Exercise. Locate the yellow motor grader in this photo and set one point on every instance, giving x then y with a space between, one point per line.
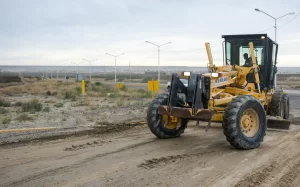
240 94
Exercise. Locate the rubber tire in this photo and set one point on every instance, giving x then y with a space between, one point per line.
276 105
152 119
286 104
231 122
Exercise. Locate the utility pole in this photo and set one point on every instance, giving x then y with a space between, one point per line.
158 56
57 74
115 63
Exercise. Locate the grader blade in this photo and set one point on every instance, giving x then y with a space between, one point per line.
278 123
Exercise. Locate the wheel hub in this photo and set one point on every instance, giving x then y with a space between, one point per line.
171 122
249 122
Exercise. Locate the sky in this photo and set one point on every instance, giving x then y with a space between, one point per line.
58 32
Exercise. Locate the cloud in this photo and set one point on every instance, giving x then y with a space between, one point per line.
57 32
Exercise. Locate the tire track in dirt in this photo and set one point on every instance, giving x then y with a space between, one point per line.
156 162
75 165
258 177
270 171
87 145
288 179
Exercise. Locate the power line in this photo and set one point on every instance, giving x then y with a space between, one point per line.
265 30
290 20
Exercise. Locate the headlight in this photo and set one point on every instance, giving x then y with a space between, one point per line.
187 74
214 74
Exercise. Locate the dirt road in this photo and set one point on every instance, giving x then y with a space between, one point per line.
134 157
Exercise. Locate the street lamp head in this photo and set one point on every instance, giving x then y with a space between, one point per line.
292 13
146 41
257 10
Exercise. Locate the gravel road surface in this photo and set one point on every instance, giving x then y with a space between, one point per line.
134 157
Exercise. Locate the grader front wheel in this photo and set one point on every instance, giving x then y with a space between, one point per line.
164 126
244 122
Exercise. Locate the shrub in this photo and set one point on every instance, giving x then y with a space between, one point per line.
95 88
46 109
70 95
18 103
6 120
3 110
78 90
32 106
24 117
4 103
124 88
98 83
58 105
48 93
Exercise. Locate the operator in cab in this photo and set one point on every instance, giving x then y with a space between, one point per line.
248 61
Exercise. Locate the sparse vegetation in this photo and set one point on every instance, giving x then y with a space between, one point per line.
18 103
24 117
102 99
5 120
78 90
32 106
98 83
48 93
3 110
70 95
124 88
144 94
46 109
58 105
4 103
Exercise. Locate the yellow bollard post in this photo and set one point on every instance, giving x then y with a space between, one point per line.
152 89
82 87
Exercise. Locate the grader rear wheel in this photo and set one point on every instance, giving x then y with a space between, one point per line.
277 105
164 126
286 104
244 122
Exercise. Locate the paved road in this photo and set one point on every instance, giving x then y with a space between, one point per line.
136 158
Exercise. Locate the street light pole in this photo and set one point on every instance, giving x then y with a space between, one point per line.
76 69
90 62
129 72
275 19
158 56
291 13
115 63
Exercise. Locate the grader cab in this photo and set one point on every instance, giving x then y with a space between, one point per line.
240 94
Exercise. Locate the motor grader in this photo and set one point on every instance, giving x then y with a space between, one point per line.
240 94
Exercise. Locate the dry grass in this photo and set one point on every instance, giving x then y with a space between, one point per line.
32 106
72 90
40 88
24 117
